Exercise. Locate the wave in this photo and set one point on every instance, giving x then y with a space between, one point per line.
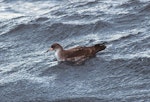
126 19
136 5
91 3
59 28
41 19
80 27
130 3
145 9
83 99
21 27
9 1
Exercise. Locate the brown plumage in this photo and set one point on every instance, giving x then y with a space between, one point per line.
79 53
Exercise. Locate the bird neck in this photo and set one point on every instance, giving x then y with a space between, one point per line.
58 54
58 50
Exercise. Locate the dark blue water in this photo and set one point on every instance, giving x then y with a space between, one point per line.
121 73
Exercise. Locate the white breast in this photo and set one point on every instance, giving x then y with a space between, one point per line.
57 55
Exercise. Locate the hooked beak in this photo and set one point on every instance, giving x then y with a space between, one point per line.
51 49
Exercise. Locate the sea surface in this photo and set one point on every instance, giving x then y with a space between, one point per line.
120 73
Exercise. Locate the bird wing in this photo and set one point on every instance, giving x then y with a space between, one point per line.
79 51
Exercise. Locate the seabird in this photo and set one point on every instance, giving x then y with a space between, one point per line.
77 54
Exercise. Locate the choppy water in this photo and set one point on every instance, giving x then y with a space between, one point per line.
121 73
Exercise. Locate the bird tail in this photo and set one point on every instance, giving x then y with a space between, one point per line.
99 47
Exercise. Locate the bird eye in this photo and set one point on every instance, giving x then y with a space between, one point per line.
52 46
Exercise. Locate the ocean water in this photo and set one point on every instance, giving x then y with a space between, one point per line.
120 73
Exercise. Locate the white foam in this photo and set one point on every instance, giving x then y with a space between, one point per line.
24 8
142 54
9 15
30 77
119 34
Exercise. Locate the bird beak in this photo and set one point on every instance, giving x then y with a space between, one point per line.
51 49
